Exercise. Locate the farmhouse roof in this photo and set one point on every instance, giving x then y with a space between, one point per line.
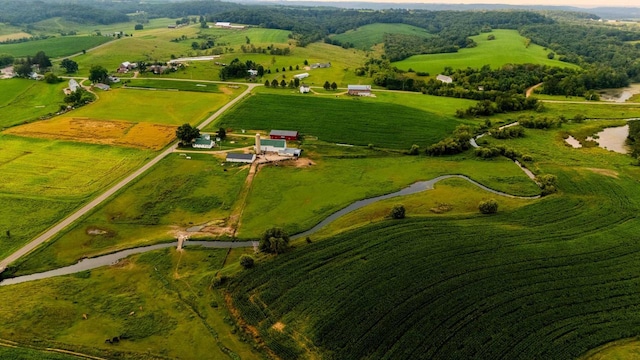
73 85
274 143
284 133
223 23
239 156
359 87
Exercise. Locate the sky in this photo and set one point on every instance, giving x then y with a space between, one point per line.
577 3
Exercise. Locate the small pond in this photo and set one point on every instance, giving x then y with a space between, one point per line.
613 139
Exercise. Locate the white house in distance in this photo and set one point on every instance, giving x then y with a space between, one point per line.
304 89
301 76
359 90
445 79
203 142
227 25
252 72
241 158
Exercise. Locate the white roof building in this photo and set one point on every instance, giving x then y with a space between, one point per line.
301 76
445 79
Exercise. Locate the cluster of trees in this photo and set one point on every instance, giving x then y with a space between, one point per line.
488 206
271 50
238 69
454 144
508 132
187 133
69 65
333 86
292 84
540 122
6 59
24 67
401 46
634 138
25 39
274 241
502 104
78 98
494 151
16 12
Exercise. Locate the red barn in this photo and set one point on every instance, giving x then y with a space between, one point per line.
283 135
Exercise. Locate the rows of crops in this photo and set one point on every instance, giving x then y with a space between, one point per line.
353 121
54 47
551 280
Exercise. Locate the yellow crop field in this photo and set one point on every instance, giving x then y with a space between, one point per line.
95 131
18 35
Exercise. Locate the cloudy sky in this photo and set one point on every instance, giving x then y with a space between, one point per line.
579 3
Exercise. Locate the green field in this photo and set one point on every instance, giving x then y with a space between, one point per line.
42 181
32 354
174 85
508 48
318 191
160 304
174 195
351 120
158 107
257 36
550 279
24 100
55 25
366 36
54 47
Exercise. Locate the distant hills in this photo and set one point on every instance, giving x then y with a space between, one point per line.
610 13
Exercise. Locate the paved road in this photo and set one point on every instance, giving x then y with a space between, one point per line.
53 231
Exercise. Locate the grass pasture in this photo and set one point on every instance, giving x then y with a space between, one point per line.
367 36
54 47
158 107
507 48
350 120
333 183
176 194
23 100
147 299
42 181
257 36
107 132
15 36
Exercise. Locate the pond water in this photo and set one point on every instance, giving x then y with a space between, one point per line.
613 139
620 95
573 142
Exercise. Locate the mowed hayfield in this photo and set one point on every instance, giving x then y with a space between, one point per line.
175 85
507 48
257 36
57 24
107 132
23 100
331 184
176 194
549 279
42 181
344 119
54 47
158 107
144 300
366 36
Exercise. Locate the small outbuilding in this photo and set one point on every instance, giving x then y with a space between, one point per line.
252 72
283 135
73 85
241 158
301 76
305 89
445 79
359 90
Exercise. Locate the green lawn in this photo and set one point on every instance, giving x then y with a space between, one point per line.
146 300
351 120
42 181
24 100
176 194
159 107
366 36
507 48
547 279
54 47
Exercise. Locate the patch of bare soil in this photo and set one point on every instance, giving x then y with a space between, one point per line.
605 172
278 326
248 329
91 230
225 90
441 208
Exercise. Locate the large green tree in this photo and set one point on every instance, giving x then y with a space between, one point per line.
186 133
69 65
274 240
98 74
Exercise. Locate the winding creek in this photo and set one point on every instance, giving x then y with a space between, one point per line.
114 258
